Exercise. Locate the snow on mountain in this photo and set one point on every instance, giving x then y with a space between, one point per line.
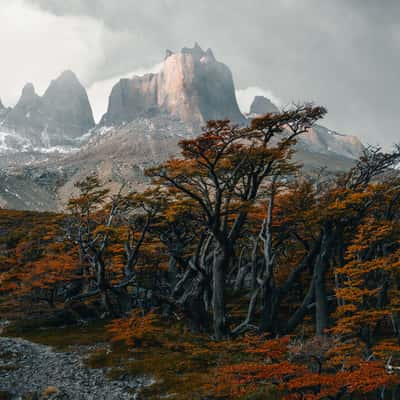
15 143
49 142
318 139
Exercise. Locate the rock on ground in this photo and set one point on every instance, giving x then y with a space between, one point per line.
27 367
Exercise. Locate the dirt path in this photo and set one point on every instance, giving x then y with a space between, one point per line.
26 367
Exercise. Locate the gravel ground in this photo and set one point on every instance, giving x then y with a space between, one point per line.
27 367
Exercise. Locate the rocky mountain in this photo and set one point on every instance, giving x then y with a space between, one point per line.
49 142
318 139
323 140
58 118
262 105
192 86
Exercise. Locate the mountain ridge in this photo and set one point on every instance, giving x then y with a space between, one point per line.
49 142
192 86
58 117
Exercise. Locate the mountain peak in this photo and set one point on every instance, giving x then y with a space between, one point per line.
28 88
66 101
192 86
68 75
28 91
262 105
60 116
28 97
196 51
66 81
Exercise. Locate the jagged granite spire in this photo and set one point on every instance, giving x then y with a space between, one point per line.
60 116
66 102
192 86
28 97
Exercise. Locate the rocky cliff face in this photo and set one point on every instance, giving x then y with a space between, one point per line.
66 105
192 86
60 116
25 119
147 117
131 99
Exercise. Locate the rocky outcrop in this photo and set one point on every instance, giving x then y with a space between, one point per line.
318 139
25 119
44 149
262 105
67 108
131 99
192 86
60 116
323 140
40 372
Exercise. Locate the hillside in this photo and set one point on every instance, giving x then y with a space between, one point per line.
50 142
233 276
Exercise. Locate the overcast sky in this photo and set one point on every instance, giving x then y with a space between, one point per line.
343 54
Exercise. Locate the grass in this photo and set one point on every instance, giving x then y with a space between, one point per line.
182 363
63 338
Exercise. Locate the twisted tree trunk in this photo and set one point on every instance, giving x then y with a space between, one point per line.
220 265
320 269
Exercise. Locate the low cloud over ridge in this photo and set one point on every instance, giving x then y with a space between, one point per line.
343 54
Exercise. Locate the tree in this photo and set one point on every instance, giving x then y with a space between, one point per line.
109 231
299 370
37 264
222 171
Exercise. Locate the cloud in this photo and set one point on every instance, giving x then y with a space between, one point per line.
341 54
37 46
99 91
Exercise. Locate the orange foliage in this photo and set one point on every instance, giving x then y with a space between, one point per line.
135 330
299 371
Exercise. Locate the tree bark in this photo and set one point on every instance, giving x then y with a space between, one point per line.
270 302
302 311
218 297
191 291
172 272
320 269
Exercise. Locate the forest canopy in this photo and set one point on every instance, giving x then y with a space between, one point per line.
299 274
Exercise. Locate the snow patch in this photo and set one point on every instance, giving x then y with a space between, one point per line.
11 143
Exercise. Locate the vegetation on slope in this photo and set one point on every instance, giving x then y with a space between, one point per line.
233 276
